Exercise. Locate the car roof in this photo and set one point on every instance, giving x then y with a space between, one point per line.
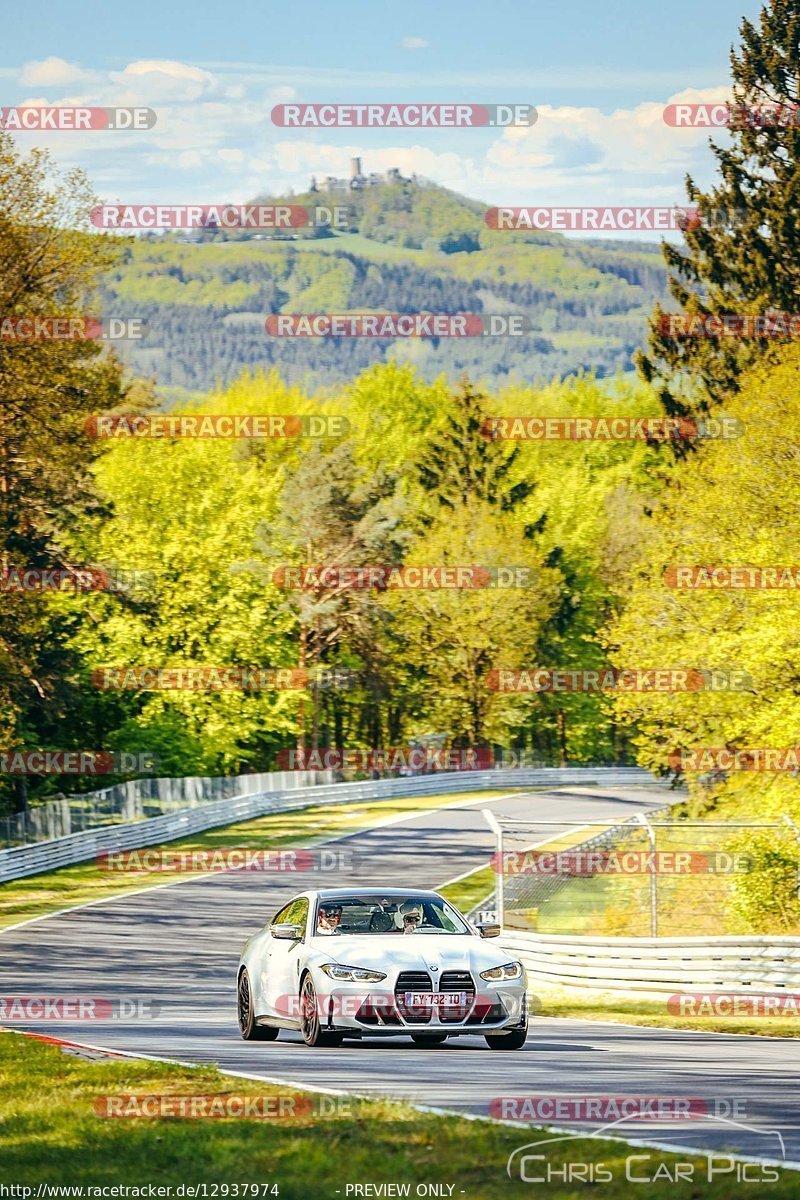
342 892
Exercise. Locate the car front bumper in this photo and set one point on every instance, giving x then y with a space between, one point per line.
380 1010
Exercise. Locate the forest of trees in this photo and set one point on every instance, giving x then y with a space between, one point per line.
596 525
203 303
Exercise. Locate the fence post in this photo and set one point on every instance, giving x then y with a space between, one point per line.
651 833
796 832
497 829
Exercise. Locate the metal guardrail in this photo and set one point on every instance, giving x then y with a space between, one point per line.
740 965
19 861
142 799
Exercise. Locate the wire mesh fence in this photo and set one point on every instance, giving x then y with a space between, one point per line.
649 876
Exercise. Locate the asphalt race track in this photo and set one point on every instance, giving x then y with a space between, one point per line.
176 948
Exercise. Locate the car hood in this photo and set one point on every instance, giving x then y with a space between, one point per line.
411 952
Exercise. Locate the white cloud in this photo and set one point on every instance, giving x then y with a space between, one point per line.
150 81
176 70
51 72
635 156
414 43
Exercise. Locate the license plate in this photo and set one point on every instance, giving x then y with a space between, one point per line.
435 999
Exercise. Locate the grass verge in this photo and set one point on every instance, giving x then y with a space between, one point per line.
471 890
605 1006
38 895
53 1135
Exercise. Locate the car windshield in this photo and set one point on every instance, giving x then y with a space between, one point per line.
388 914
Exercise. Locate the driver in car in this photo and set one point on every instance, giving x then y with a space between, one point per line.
330 916
411 915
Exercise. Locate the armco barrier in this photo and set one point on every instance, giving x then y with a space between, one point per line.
137 799
19 861
659 966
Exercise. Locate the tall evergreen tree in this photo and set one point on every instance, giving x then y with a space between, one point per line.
743 255
461 464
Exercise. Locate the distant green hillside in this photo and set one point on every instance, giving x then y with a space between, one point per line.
410 248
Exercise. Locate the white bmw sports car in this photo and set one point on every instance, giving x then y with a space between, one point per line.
359 962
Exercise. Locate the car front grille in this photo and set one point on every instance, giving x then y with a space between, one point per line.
457 981
412 981
420 981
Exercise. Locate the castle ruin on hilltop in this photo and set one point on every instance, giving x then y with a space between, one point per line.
358 180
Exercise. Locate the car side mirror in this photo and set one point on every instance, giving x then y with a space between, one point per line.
489 930
286 932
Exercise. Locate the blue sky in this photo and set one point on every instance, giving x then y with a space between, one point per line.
598 74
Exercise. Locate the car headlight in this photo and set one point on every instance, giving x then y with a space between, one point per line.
511 970
340 971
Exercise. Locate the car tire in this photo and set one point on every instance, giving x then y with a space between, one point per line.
514 1040
247 1019
429 1039
310 1026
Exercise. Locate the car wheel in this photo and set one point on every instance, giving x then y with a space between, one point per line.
247 1018
310 1025
507 1041
429 1039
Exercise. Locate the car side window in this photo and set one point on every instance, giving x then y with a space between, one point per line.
282 917
296 913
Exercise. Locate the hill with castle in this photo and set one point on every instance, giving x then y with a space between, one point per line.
410 246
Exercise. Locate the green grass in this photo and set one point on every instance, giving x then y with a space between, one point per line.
52 1135
38 895
471 890
591 1005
